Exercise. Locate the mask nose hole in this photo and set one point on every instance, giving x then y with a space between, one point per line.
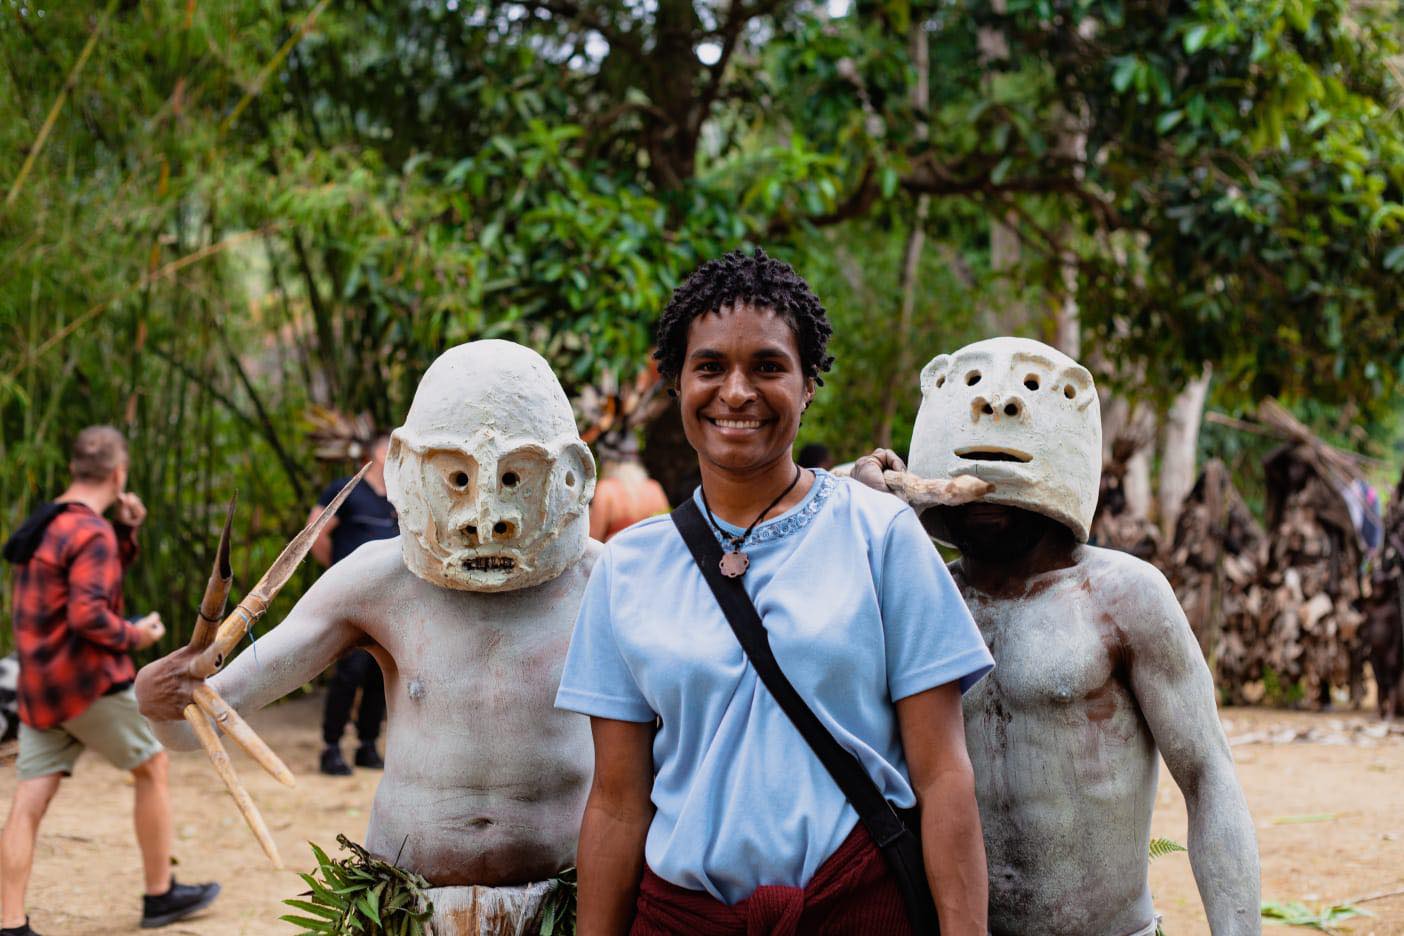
1012 408
980 406
471 532
503 530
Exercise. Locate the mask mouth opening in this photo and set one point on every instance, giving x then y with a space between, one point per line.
994 453
489 563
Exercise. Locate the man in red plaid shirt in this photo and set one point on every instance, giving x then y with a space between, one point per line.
75 685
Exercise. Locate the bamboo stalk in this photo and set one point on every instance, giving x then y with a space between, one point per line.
57 107
146 279
233 724
220 759
262 77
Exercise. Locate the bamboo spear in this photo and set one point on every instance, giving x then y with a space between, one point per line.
214 645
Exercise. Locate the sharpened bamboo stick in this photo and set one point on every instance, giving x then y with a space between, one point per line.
217 589
220 759
233 725
253 606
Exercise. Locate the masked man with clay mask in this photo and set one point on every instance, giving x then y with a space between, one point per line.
1096 669
468 613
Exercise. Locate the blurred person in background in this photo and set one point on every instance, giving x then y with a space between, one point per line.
365 516
815 455
624 494
75 681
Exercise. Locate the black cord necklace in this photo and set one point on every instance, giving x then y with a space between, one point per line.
734 563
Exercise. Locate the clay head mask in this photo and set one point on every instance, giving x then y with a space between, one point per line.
488 473
1019 414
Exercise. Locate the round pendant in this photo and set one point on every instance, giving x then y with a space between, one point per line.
734 564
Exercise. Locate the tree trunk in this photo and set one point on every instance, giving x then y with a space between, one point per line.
1179 445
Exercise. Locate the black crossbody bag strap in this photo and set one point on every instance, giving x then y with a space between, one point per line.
894 836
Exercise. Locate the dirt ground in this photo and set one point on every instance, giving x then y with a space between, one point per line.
1328 800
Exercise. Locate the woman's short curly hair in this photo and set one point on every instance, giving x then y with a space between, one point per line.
755 280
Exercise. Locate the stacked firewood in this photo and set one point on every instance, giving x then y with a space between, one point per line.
1216 565
1114 524
1314 576
1277 610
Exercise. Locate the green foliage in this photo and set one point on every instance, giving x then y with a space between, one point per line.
1160 847
1280 693
360 894
558 914
237 212
1295 913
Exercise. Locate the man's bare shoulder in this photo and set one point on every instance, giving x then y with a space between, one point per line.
373 568
578 572
1135 593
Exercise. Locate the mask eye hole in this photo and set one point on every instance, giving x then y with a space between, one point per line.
510 479
972 378
1031 382
570 479
459 479
940 382
1069 392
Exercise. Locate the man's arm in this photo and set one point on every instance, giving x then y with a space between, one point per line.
316 632
1175 691
612 831
933 739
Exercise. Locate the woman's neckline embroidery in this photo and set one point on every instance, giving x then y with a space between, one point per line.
793 520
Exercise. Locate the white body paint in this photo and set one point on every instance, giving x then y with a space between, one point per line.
1021 398
1097 674
485 780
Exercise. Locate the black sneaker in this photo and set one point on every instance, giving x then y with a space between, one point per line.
177 903
19 930
366 756
332 763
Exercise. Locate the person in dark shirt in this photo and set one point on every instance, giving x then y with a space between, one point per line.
366 515
75 679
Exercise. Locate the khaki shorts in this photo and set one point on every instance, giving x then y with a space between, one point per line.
111 726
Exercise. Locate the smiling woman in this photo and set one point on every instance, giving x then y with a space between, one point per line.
704 790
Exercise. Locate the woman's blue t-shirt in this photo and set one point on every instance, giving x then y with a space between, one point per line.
860 611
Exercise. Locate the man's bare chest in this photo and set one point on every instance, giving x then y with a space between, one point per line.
491 654
1057 656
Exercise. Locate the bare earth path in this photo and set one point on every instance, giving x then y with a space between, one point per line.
1329 812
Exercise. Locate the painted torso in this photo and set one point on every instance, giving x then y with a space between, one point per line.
485 779
1065 765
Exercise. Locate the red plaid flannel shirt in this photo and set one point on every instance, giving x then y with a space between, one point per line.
72 639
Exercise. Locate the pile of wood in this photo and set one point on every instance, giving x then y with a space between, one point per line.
1277 610
1384 611
1114 524
1216 564
1313 574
